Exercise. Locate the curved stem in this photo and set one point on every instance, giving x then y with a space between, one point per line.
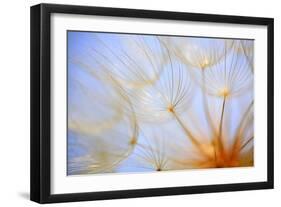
205 104
192 138
246 143
220 141
240 127
236 147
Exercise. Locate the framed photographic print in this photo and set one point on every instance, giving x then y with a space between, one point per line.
132 103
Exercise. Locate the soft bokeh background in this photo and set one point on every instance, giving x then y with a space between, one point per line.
149 70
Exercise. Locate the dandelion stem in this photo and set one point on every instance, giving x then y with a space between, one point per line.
205 103
192 138
246 143
186 130
236 147
220 125
240 127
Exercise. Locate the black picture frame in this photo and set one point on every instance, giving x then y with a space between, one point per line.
41 102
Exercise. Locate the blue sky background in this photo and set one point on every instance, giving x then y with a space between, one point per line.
80 45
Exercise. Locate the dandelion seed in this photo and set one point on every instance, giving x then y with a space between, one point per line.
246 48
231 76
171 109
133 141
108 135
151 153
224 92
172 92
199 53
134 61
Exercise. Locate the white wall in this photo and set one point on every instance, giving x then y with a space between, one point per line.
14 102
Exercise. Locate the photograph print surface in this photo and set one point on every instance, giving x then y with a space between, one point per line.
141 103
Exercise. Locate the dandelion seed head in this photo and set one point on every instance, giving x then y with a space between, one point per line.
205 63
199 53
224 92
171 92
133 141
170 108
